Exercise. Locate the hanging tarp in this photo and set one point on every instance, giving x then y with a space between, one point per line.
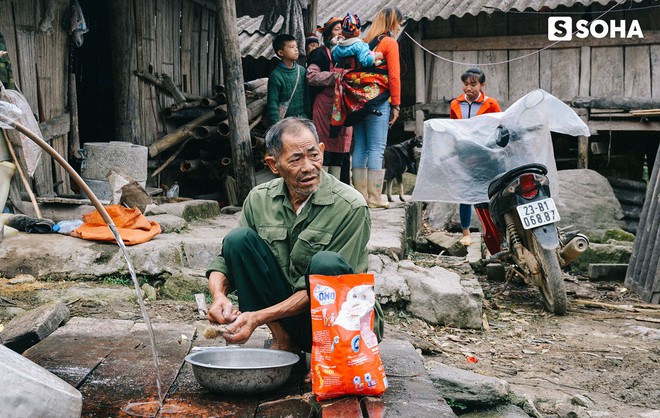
292 10
460 157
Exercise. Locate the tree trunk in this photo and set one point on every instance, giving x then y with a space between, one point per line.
236 108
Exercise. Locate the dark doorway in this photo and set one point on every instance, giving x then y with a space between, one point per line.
93 68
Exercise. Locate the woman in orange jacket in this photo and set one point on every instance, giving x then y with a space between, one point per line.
472 102
370 134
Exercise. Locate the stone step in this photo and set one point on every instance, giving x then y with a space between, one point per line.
411 392
56 256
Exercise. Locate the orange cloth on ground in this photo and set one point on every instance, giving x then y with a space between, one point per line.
132 225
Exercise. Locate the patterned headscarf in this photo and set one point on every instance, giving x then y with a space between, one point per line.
351 26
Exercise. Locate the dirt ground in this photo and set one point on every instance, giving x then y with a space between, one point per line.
610 355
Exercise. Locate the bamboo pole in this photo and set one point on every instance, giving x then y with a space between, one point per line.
169 85
150 78
221 111
256 83
179 135
172 157
190 165
26 184
205 132
186 105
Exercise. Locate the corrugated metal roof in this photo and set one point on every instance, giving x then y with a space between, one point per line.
256 44
430 9
253 42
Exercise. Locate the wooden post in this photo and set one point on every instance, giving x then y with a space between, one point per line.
74 144
241 145
127 103
420 82
583 152
585 90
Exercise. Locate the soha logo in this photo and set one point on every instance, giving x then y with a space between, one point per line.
561 29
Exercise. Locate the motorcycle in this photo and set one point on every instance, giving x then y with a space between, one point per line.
520 231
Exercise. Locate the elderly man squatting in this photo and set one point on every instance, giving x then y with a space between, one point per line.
305 222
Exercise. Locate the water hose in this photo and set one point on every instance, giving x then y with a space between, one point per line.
8 122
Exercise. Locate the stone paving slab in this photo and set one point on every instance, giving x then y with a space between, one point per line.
74 350
110 363
32 326
411 392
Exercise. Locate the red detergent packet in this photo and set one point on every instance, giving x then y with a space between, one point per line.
345 354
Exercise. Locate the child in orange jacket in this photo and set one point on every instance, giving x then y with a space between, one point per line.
471 103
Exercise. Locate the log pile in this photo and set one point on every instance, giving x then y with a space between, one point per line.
196 151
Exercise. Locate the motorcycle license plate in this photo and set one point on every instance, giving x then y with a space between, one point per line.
539 213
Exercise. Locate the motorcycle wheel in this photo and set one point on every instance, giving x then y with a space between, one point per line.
553 291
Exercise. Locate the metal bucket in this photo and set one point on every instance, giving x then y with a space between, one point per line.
241 370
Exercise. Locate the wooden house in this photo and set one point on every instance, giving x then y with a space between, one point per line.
611 78
101 91
91 93
509 42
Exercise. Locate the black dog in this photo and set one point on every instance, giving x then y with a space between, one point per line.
396 160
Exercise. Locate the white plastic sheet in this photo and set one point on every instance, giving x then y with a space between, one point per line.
29 390
460 157
14 106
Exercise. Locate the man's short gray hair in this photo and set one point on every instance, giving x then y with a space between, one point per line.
288 125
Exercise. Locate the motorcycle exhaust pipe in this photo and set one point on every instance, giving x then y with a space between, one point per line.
573 249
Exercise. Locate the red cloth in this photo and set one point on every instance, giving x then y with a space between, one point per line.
353 91
132 225
357 87
321 113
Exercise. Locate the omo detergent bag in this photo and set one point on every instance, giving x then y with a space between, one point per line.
345 354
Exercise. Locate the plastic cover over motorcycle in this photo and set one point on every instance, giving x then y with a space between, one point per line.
460 157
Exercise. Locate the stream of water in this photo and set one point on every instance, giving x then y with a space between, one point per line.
143 309
9 115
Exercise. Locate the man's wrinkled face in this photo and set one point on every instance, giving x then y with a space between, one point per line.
300 162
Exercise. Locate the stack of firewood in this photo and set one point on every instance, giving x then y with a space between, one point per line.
202 158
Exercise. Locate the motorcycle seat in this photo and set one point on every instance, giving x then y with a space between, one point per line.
501 181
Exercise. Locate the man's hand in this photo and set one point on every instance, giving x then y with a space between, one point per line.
241 329
222 311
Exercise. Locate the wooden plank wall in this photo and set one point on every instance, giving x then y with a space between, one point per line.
176 37
628 71
180 44
40 63
516 42
643 275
